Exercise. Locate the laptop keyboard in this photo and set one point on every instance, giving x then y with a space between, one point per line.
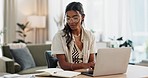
89 73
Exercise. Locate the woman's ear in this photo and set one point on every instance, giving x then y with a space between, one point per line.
83 16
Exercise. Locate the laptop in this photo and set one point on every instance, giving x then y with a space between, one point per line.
110 61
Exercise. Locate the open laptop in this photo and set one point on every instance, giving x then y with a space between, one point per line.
110 61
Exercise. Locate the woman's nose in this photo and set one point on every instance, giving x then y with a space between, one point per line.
71 20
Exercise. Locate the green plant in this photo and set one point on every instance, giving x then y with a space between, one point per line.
122 43
126 43
22 32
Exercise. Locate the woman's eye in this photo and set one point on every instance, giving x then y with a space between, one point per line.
68 18
75 18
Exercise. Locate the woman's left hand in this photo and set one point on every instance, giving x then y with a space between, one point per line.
91 65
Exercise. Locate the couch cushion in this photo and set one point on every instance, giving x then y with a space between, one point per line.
38 53
23 57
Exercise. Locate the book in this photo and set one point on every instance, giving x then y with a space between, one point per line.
58 72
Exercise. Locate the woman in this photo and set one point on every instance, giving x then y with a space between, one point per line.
74 45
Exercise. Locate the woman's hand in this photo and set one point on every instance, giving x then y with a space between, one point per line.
91 64
88 65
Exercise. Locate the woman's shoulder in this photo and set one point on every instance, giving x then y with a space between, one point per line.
88 32
59 33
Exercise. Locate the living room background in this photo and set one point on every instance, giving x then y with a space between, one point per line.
110 18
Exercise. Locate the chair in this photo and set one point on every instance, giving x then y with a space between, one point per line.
51 61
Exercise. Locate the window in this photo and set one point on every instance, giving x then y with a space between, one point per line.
139 24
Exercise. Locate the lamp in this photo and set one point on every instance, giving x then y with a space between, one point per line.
37 22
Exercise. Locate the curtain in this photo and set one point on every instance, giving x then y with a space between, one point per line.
41 10
9 21
116 19
108 18
1 23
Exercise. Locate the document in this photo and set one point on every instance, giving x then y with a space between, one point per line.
58 72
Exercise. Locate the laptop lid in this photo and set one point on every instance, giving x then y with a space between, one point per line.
111 61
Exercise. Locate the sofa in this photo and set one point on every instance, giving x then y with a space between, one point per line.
37 52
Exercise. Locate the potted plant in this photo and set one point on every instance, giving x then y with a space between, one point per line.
126 43
119 42
22 32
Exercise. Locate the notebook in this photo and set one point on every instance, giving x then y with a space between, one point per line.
110 61
57 72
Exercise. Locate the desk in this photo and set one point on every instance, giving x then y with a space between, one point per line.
133 71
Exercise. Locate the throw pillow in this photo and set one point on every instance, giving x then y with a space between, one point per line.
23 57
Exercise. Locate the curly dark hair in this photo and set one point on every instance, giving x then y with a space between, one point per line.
76 6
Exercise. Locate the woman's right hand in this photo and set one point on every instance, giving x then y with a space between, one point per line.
88 65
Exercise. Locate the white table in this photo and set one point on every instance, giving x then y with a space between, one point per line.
133 71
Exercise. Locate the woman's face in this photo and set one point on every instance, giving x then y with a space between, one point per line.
74 19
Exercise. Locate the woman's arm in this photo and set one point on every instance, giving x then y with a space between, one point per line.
69 66
92 60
